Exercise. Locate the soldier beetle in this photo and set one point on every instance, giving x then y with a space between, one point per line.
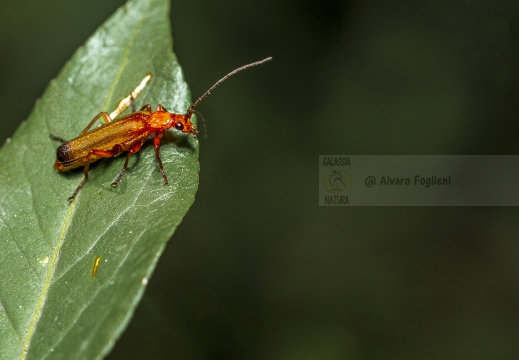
127 133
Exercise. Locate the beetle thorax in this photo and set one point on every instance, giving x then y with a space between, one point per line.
161 120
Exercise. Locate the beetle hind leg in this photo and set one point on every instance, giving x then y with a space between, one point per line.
133 150
100 154
73 196
57 138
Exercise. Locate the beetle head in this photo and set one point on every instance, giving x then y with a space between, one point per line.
162 119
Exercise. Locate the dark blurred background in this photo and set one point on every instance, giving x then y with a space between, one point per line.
258 270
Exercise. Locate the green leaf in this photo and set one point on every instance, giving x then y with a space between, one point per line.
50 304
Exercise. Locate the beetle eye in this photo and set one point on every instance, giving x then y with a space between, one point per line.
179 126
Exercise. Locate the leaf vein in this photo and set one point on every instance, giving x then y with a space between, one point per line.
97 291
46 284
10 318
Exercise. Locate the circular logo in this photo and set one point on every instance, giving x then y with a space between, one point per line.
336 181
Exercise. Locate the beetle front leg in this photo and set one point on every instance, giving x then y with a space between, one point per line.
146 108
156 144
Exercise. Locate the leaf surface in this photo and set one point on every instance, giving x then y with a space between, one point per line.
51 307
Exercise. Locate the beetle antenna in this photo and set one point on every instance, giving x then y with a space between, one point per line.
192 108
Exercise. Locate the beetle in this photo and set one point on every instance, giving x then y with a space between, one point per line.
127 133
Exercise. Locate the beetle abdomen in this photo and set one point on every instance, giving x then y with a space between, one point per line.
64 154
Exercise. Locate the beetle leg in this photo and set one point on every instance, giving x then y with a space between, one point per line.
132 102
133 150
156 144
124 103
99 153
80 184
200 122
103 114
57 138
